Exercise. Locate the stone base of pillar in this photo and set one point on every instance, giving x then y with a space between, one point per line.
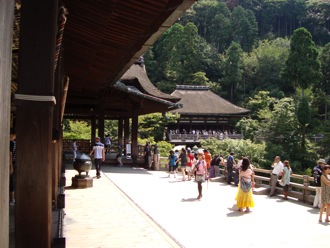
82 182
59 243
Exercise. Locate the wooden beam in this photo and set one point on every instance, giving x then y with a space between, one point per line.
6 34
33 227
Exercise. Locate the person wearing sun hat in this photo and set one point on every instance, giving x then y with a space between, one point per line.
201 172
317 173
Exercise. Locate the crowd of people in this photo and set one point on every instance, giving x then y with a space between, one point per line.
219 134
202 166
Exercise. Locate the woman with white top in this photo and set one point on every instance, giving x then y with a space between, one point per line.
201 172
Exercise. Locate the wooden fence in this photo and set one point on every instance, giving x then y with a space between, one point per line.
299 188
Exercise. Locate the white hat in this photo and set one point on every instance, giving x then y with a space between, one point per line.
321 161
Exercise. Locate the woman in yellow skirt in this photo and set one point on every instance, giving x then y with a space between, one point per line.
244 197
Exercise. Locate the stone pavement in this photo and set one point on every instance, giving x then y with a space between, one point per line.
132 207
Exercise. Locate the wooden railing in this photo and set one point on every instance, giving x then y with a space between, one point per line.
196 137
299 188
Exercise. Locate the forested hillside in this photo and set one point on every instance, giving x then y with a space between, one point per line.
272 56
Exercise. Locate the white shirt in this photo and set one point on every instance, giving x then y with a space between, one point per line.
75 148
278 168
98 150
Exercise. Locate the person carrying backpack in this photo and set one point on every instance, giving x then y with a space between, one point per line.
317 173
230 164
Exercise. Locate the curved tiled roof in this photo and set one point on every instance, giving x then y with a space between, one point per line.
136 76
200 100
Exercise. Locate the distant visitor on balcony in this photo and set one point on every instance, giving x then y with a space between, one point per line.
276 173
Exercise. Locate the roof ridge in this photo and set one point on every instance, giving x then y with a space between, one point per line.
192 87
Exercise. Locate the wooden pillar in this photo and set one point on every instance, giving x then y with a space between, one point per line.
120 131
57 161
126 131
93 132
6 30
135 124
101 122
33 227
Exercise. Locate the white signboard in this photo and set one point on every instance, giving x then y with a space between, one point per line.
128 151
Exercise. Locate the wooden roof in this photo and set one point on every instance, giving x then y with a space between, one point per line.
102 39
133 90
200 100
137 76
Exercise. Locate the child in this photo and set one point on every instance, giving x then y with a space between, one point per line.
285 181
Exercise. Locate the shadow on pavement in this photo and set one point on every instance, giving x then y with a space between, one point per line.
234 212
125 170
189 200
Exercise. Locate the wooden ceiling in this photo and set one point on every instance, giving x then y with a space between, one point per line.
103 38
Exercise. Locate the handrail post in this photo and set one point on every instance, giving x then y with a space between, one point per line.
306 184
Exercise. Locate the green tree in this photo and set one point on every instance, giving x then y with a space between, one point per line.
302 67
324 83
263 66
232 69
304 115
220 29
153 125
77 130
317 20
245 28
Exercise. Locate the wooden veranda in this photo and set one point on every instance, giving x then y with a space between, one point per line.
66 53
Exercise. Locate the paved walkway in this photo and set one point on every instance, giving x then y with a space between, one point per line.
131 207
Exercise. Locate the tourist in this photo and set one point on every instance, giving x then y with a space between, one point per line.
285 181
177 154
172 158
120 155
208 158
229 166
217 163
99 155
325 193
193 165
12 167
277 171
237 167
156 157
75 149
213 165
317 173
201 172
183 159
244 197
190 162
107 143
147 156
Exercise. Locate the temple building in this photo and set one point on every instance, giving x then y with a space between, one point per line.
203 114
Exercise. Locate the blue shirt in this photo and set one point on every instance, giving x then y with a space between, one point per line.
172 160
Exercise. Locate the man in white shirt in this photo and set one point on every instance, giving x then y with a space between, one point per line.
277 171
75 149
99 155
